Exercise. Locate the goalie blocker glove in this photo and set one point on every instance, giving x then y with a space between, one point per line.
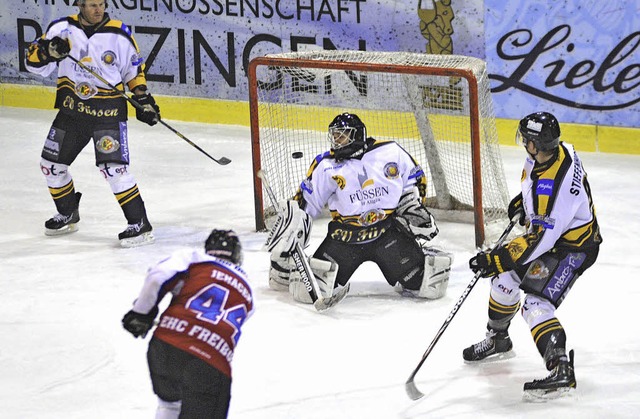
138 324
148 111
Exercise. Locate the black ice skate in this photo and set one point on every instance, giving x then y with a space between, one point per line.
497 346
61 224
559 383
137 234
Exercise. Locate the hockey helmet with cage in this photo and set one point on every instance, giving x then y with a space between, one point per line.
224 244
540 127
347 135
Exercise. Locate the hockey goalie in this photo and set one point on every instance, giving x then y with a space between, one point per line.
374 191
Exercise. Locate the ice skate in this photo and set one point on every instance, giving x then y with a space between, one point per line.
138 234
496 346
559 383
61 224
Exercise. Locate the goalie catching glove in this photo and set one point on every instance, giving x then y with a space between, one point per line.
292 226
138 324
490 264
413 215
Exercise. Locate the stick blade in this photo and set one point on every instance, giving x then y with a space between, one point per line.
323 304
412 390
223 161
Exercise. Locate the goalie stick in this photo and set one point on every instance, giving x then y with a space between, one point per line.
302 263
410 385
221 161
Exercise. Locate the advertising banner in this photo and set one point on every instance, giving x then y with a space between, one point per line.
202 47
577 59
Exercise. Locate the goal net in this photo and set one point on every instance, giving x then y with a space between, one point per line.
437 107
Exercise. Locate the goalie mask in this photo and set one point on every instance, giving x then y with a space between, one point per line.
347 135
224 244
542 128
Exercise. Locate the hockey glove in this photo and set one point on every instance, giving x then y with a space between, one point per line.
516 208
55 49
421 222
139 324
491 264
148 111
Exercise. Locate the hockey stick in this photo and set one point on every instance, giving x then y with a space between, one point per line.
302 263
222 160
410 385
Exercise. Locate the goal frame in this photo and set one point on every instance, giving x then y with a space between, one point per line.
474 120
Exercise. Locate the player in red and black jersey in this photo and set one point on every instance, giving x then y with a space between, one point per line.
192 348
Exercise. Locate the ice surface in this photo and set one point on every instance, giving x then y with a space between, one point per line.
64 354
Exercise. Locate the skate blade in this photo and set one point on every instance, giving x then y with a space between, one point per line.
541 396
502 356
141 240
68 229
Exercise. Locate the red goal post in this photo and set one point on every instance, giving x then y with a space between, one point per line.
437 107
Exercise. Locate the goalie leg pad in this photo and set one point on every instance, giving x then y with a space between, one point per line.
282 268
300 291
325 273
437 266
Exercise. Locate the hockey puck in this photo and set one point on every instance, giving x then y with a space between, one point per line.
297 155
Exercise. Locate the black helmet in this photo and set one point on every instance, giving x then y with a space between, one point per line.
542 128
224 244
350 126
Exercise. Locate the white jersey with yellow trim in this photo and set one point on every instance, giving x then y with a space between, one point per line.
559 207
109 50
361 191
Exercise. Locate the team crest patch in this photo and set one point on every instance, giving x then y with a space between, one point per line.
109 57
391 170
538 270
371 217
85 90
107 144
340 181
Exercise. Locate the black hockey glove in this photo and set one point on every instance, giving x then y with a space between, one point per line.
139 324
491 264
516 208
55 49
149 111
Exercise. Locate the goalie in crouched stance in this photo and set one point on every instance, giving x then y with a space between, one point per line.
375 192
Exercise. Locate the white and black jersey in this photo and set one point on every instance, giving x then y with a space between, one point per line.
559 207
109 50
361 191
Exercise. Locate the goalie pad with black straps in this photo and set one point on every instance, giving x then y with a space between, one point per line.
437 266
325 273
